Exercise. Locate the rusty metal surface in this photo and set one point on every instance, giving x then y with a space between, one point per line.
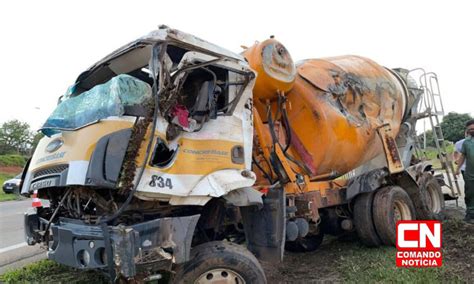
327 198
175 233
335 107
338 114
392 155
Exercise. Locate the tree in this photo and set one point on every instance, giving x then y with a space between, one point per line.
15 137
453 125
36 138
429 139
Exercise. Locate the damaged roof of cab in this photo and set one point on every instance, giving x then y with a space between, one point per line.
180 38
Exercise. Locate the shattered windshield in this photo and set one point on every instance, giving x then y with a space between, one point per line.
102 101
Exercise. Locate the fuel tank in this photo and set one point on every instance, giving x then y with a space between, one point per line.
335 106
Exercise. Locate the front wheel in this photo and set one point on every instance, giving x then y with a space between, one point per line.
220 262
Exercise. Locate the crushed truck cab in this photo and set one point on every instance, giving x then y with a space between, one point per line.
172 150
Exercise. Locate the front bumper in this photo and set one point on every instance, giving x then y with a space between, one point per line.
83 246
10 188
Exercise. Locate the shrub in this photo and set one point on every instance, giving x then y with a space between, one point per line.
12 160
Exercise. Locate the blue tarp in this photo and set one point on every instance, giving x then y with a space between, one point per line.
102 101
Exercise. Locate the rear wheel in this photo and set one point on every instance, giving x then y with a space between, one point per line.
305 244
220 262
432 197
391 204
363 220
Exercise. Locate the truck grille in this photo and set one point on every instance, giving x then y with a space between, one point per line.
51 171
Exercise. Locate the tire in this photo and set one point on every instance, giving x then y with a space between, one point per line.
391 204
306 244
363 220
432 197
218 260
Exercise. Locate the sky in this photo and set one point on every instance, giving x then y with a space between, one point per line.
45 45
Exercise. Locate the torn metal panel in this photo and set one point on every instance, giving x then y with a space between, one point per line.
221 182
138 49
182 200
366 182
246 196
193 42
336 106
79 245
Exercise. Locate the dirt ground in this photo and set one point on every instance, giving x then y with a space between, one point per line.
319 266
337 260
458 245
11 170
346 260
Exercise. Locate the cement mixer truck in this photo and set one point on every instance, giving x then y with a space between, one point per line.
173 154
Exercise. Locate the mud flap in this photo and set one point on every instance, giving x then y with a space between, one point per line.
265 228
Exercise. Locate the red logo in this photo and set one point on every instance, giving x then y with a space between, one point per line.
419 244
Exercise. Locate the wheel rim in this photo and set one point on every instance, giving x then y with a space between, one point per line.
220 276
434 201
401 211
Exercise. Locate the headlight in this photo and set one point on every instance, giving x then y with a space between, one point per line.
54 145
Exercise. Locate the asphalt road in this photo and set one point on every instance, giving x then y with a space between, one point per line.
11 222
14 252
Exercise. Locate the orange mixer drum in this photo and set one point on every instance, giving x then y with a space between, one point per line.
337 104
274 66
335 107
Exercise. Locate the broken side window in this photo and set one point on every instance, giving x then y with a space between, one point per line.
205 93
163 155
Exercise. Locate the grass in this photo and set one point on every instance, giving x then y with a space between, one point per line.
356 263
46 271
367 265
4 196
12 161
431 154
8 197
349 261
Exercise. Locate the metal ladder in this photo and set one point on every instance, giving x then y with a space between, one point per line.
431 107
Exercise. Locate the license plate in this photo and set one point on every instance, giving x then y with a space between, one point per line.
8 187
44 183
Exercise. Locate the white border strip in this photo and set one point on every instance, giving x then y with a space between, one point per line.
2 250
